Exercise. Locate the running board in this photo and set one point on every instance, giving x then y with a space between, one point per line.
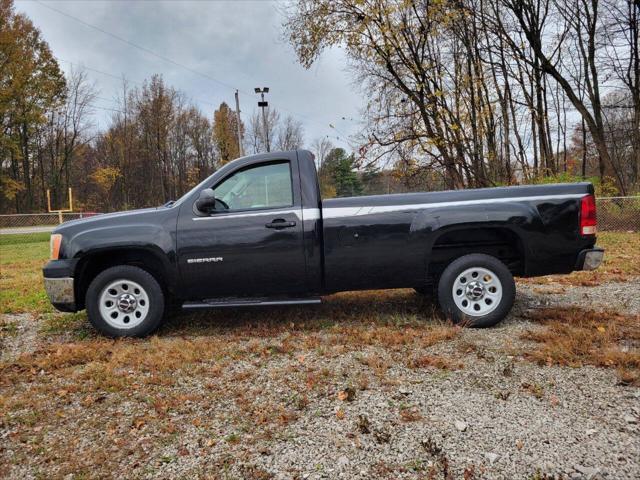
249 302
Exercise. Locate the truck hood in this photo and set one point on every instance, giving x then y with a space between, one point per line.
108 219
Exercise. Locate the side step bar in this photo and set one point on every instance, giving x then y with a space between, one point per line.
249 302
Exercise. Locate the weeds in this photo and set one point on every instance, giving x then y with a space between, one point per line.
575 337
433 361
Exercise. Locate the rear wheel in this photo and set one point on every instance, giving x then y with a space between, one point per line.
476 290
125 301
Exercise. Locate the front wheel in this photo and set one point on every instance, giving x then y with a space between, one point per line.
125 301
476 290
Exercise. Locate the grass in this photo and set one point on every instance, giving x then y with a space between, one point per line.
21 262
575 337
22 238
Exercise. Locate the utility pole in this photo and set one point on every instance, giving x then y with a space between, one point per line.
238 125
263 105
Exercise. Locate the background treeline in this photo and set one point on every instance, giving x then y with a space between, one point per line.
461 93
157 145
484 92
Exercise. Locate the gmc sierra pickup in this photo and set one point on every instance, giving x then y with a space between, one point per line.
256 232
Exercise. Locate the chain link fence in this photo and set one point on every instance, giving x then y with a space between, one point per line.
620 214
31 227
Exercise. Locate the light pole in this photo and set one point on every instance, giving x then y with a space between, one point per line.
262 104
238 125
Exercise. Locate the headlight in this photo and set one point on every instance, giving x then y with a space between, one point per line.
54 245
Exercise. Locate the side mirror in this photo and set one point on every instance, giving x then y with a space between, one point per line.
206 200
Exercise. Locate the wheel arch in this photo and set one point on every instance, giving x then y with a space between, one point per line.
499 241
94 262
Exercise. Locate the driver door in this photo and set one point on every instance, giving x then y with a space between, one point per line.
252 243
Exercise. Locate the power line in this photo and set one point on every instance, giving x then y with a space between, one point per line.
144 49
122 78
171 61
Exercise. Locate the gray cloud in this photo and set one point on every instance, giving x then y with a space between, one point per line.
237 42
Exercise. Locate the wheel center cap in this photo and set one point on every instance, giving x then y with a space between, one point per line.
474 290
127 303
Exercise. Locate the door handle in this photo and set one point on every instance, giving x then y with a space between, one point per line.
280 223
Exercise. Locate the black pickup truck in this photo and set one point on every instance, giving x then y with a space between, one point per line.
256 232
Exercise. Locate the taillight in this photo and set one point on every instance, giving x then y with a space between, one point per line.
588 215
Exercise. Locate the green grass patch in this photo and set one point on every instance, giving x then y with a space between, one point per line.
24 238
21 285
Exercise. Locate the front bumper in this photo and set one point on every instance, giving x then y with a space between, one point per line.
61 293
59 284
590 259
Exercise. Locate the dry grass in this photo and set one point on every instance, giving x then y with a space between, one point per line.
435 361
228 379
21 285
576 337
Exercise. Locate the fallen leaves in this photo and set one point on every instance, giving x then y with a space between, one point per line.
410 414
364 426
534 389
347 395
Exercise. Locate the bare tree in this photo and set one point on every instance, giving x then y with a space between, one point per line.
61 140
290 134
321 147
256 136
622 57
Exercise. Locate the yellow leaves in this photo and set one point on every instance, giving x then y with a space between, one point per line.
105 178
211 442
601 329
225 133
10 187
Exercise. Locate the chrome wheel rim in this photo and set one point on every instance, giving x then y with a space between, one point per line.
124 304
477 291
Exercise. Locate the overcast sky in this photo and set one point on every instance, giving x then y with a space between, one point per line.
238 43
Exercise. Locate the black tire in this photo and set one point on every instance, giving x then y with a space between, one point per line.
154 295
453 273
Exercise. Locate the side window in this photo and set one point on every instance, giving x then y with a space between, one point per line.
261 186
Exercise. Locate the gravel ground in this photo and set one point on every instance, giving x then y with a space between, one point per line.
21 335
498 417
580 425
